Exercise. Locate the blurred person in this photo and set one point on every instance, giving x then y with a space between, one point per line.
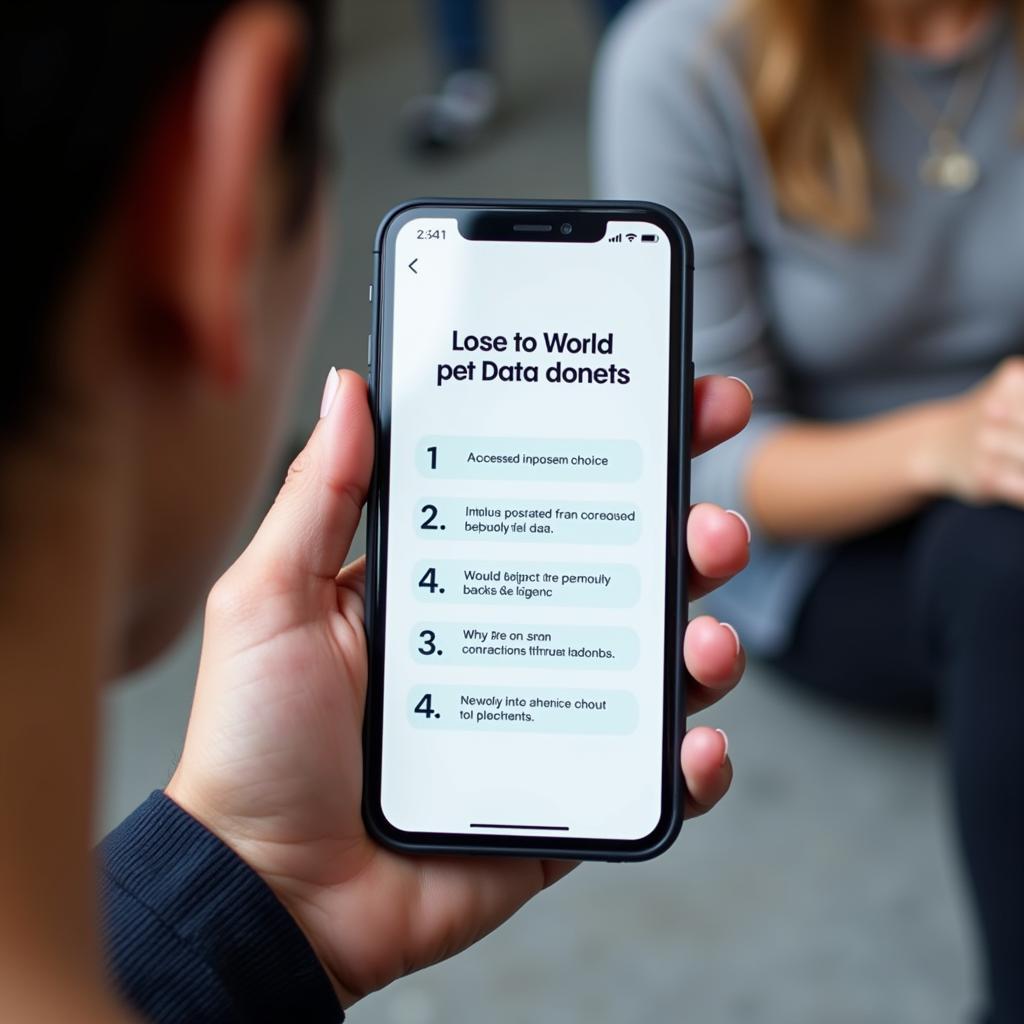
167 218
466 102
853 175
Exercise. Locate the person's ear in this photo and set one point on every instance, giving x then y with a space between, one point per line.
208 190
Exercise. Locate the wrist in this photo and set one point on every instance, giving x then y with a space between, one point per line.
927 452
248 849
183 904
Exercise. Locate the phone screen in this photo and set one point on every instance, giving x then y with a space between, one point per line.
530 447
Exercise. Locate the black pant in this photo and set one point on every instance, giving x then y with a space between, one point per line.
931 612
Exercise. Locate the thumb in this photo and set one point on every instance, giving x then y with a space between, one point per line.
308 531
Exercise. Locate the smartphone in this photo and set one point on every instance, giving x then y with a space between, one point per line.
531 383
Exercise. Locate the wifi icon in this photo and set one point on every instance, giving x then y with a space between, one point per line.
630 237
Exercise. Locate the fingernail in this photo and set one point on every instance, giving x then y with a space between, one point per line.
331 386
725 752
735 636
746 525
740 380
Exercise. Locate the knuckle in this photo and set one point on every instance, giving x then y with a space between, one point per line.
297 468
993 407
218 601
1011 485
1011 371
988 477
988 442
224 601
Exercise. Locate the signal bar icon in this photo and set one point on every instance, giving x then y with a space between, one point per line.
631 236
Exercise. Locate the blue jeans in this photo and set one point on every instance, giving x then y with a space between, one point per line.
462 30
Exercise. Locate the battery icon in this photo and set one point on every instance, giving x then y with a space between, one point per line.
648 238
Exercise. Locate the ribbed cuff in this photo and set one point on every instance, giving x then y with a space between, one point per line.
195 935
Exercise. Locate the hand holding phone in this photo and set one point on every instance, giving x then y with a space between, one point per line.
273 760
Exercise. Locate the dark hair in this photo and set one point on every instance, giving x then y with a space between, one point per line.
78 81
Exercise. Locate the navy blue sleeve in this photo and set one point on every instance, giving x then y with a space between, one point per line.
194 935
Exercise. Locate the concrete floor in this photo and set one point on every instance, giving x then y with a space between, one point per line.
825 890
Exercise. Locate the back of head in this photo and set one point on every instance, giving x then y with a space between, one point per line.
78 83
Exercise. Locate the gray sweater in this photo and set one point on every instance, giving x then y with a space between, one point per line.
822 329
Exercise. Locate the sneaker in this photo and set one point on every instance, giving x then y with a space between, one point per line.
457 115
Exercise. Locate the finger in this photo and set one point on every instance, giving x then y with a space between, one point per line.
1008 390
353 577
714 659
1005 413
308 531
706 769
721 409
718 543
1009 486
1005 442
556 870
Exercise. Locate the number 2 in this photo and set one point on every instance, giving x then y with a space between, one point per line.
431 513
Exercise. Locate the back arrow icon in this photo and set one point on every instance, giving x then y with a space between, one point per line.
412 266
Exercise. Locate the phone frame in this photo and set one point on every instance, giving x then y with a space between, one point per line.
494 219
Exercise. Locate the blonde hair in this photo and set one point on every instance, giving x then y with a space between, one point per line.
806 68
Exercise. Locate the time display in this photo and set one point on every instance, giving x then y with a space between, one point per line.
430 234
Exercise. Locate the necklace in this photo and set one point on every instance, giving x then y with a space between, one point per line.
949 165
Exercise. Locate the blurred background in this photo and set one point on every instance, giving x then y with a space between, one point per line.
824 889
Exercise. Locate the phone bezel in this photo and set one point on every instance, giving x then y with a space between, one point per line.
489 219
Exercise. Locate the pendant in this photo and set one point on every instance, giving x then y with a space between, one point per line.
949 166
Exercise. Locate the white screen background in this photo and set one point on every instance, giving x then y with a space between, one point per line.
436 778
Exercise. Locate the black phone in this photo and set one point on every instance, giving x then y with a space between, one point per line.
531 381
